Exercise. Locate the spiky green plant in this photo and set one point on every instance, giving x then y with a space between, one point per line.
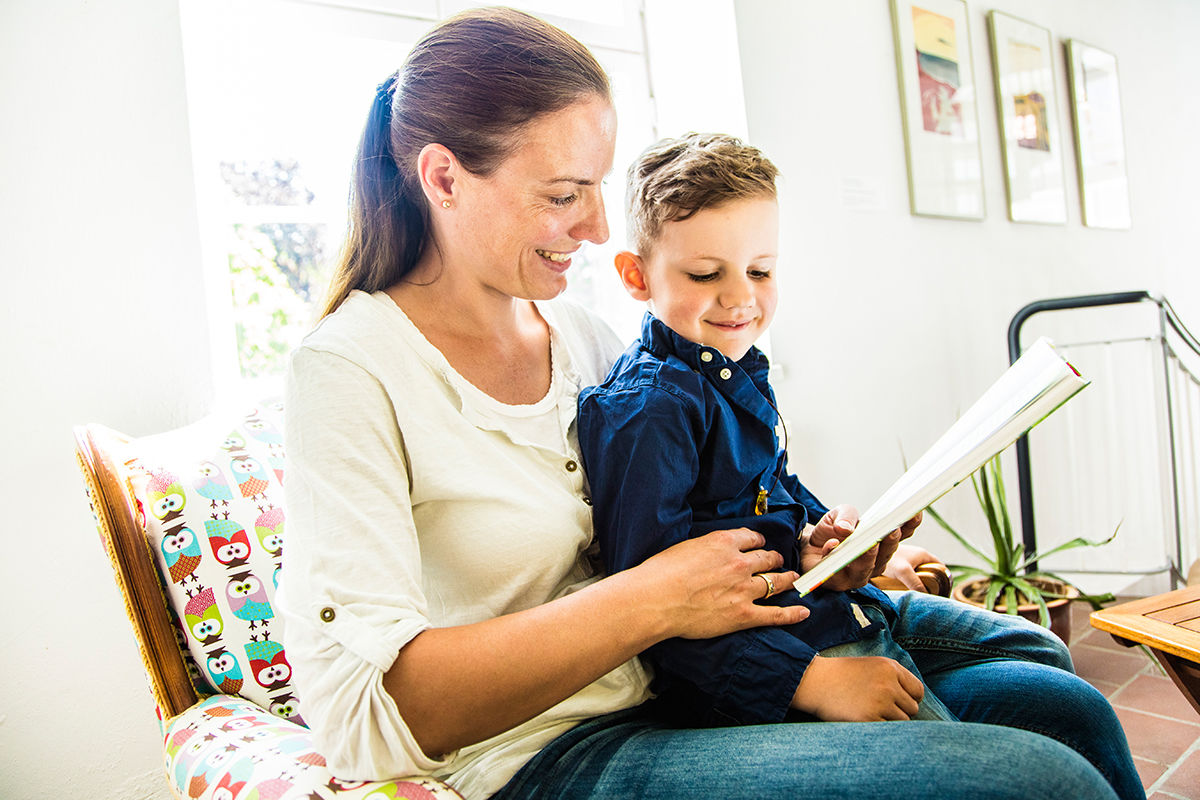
1008 581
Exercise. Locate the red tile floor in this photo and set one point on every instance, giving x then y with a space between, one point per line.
1162 728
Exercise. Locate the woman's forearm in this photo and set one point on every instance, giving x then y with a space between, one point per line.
460 685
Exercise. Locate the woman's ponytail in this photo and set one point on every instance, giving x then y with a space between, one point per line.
387 223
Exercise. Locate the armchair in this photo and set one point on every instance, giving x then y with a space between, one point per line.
193 524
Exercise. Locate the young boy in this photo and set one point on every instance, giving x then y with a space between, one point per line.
680 440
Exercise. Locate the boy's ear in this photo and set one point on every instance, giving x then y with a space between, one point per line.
633 275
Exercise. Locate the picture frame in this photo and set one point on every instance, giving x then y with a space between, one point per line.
1027 107
939 108
1099 136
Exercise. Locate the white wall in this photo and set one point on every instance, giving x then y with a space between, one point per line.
102 321
102 310
891 323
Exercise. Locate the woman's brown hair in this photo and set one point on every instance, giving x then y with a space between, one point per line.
471 84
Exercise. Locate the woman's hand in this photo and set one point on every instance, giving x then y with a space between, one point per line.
859 689
537 657
708 586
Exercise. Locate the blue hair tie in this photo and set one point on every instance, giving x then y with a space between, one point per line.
384 90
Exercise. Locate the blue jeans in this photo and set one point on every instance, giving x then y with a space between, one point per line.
1031 729
1005 670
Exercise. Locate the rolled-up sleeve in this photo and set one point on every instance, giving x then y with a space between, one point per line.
350 590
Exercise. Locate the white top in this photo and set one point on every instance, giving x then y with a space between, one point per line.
415 501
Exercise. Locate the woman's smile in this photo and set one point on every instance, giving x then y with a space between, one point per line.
562 260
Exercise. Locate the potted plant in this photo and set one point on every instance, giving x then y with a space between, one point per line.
1003 584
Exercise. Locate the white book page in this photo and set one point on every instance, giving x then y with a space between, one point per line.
1029 391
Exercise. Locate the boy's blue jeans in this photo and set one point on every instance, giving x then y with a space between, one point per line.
883 643
1048 734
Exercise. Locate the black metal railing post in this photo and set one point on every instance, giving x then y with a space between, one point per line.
1024 477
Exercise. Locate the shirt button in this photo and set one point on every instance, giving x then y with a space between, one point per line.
572 466
327 614
726 374
705 356
587 501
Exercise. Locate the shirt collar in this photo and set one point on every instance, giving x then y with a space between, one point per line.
473 403
662 342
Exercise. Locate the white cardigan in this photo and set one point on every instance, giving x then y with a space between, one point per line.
415 501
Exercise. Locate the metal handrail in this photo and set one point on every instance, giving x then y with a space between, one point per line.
1167 317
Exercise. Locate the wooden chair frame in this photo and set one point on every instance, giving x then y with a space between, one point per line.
134 568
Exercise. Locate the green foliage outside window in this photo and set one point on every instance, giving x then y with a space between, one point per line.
270 301
277 270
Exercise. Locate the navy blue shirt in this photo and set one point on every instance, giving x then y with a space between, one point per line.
677 442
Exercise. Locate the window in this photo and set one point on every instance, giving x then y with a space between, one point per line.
277 93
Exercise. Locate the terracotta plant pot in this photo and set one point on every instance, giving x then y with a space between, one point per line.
974 590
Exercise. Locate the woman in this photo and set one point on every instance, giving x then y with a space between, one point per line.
442 616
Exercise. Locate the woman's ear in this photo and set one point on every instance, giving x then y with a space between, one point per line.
633 275
437 168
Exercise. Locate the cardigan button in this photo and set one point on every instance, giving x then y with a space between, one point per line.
587 501
572 466
327 614
705 356
726 374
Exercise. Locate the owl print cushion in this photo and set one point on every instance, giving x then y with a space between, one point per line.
211 498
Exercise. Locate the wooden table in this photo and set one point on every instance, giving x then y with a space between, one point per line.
1169 624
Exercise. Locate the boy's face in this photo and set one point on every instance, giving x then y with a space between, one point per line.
711 277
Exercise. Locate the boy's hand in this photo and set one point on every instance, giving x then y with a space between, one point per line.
860 689
838 523
889 544
910 527
903 565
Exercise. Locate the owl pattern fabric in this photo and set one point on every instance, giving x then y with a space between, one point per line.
211 500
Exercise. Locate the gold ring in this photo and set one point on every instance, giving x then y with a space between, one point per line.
770 585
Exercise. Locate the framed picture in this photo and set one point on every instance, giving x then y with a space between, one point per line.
938 107
1026 103
1099 140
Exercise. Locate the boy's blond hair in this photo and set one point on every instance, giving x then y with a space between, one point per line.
676 178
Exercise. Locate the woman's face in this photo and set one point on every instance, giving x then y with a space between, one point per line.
520 225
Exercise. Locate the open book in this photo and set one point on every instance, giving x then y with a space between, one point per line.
1029 391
